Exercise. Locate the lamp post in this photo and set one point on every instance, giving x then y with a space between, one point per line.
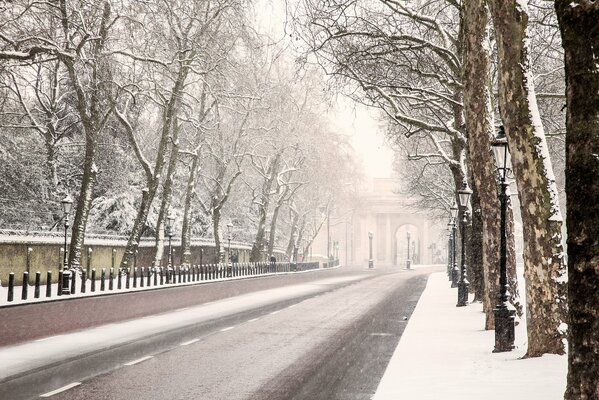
170 219
294 253
370 260
408 261
504 316
455 272
67 205
229 230
464 195
449 262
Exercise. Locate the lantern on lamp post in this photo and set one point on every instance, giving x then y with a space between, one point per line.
504 315
67 205
464 196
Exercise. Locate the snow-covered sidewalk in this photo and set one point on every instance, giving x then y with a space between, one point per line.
445 353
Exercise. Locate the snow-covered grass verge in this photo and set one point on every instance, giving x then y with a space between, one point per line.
445 353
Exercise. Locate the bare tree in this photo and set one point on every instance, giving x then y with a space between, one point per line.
543 252
580 38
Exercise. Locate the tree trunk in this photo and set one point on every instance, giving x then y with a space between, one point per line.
578 21
167 194
479 122
216 232
544 270
189 194
84 200
475 256
152 176
294 229
273 227
90 109
273 168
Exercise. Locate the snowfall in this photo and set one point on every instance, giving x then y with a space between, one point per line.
445 353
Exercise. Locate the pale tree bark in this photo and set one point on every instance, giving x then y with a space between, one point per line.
190 194
263 201
93 118
579 25
475 255
152 174
544 270
167 194
480 126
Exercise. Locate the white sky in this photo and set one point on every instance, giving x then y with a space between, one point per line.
367 137
354 120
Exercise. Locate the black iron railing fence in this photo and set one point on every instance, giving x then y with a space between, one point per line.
108 280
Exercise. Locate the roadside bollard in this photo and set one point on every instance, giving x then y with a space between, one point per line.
149 283
119 279
49 284
11 286
179 274
155 271
73 281
59 283
135 277
93 282
161 275
83 276
128 276
141 278
36 291
111 279
103 280
25 286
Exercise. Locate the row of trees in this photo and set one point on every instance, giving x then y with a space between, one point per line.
140 109
446 74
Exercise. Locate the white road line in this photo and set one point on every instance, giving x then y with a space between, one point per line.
293 305
62 389
46 338
138 360
275 312
253 319
189 342
227 329
182 309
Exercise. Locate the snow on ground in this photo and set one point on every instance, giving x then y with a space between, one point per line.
445 353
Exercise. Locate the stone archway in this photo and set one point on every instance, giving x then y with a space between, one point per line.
407 245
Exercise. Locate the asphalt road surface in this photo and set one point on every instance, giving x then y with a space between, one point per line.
331 342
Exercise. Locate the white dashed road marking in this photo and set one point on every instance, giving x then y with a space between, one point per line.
138 360
62 389
189 342
227 329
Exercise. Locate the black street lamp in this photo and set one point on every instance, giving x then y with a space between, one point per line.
464 195
408 261
294 254
229 230
67 205
370 260
170 219
449 262
455 272
504 316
